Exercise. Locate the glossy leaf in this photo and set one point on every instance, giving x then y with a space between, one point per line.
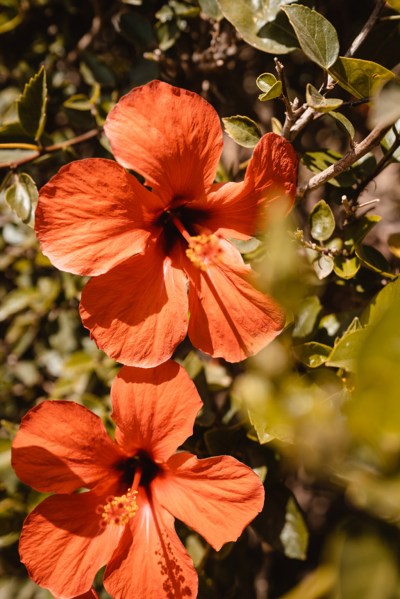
242 130
361 78
32 105
260 24
322 221
380 304
317 36
345 352
318 102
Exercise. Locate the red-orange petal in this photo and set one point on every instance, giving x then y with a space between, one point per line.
93 215
63 545
88 595
218 497
154 409
137 312
229 318
61 446
151 562
238 209
169 135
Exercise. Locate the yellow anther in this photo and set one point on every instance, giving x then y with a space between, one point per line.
119 510
204 250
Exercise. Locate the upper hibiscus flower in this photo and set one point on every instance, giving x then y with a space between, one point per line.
145 247
137 485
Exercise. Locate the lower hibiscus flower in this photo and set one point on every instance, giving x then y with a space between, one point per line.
136 484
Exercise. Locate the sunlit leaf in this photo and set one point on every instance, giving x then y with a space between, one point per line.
346 267
317 36
32 105
261 24
385 299
394 244
385 108
361 78
211 9
345 352
344 123
242 130
395 4
322 265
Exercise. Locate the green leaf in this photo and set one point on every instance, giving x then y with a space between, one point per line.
322 264
14 132
312 354
344 123
22 198
242 130
95 71
78 102
211 9
395 4
32 103
319 161
345 352
361 78
390 140
374 260
322 221
306 316
317 36
270 86
261 24
12 156
346 267
318 102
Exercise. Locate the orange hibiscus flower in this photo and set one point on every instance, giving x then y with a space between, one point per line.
144 247
137 486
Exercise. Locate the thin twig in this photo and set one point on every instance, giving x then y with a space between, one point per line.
48 149
348 160
290 117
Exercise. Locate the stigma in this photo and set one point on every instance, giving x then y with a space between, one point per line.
204 250
119 510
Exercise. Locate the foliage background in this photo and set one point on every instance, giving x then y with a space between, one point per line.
317 412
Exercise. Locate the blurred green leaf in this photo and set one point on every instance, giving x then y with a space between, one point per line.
395 4
32 105
322 264
260 24
357 229
318 102
270 86
317 36
78 102
242 130
294 534
211 9
345 352
394 244
385 107
361 78
322 221
306 317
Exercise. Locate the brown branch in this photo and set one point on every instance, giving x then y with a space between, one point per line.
50 149
348 160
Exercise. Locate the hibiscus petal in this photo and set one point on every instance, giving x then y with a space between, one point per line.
89 595
150 561
218 497
238 209
137 312
93 215
63 545
154 409
229 318
169 135
61 446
